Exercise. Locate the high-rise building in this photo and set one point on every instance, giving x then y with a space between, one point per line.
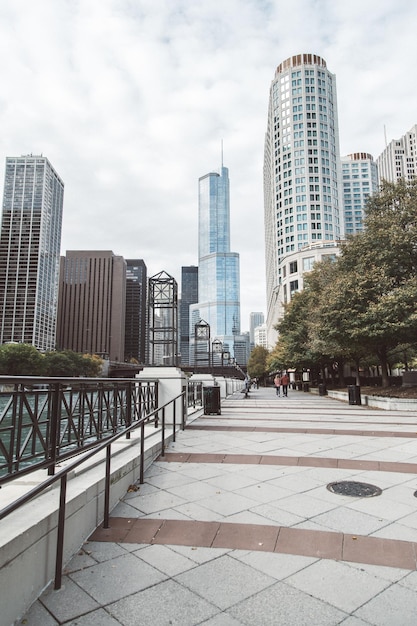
136 308
260 336
189 295
399 159
218 273
30 244
256 318
92 303
359 181
301 170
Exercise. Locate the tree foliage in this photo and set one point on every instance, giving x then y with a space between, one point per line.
364 303
257 364
20 359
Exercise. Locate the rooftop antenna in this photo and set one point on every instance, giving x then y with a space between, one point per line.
222 152
385 135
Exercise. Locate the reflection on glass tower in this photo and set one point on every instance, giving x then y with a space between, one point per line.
218 273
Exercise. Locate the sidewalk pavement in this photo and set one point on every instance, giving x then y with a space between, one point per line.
236 525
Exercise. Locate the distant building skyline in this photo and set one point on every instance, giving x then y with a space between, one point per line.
30 244
256 318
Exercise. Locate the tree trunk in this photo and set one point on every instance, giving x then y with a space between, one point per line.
382 356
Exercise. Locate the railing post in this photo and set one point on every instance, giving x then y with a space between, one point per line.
55 430
129 400
61 528
107 488
184 406
163 432
142 453
174 419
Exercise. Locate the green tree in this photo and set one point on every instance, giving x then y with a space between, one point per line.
257 364
20 359
378 270
69 363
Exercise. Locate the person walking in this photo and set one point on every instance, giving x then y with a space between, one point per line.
277 383
284 382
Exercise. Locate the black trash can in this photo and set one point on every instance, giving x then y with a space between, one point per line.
354 394
322 389
211 400
306 387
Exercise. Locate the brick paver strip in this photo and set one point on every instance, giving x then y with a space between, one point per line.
186 533
307 431
266 538
378 551
247 537
305 461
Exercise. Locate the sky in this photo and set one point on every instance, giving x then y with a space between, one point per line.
130 100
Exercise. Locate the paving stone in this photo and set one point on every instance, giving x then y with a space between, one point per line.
330 580
396 605
162 604
224 581
124 575
281 605
69 602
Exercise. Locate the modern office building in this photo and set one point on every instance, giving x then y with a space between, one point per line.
301 170
359 181
189 295
136 311
218 273
399 159
30 244
256 318
260 336
92 303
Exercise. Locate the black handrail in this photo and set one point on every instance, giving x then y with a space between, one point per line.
63 474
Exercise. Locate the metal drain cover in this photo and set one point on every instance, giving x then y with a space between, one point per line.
356 490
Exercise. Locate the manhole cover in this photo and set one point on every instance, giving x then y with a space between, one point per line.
356 490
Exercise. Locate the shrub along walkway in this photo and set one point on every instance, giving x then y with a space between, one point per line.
239 524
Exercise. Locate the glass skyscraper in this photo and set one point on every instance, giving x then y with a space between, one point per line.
218 270
30 243
301 171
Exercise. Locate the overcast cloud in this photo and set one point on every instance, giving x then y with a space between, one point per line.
130 100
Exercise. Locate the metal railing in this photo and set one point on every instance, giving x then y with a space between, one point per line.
195 394
46 420
157 415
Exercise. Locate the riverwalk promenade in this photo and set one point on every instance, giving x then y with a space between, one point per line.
280 511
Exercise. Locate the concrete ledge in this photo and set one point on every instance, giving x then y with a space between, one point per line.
28 536
376 402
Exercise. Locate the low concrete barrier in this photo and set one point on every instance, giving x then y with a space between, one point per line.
376 402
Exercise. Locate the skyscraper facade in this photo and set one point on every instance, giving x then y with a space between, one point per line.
30 244
359 180
218 273
92 303
301 169
399 159
136 308
189 295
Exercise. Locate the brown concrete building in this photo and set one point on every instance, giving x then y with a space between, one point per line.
92 303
